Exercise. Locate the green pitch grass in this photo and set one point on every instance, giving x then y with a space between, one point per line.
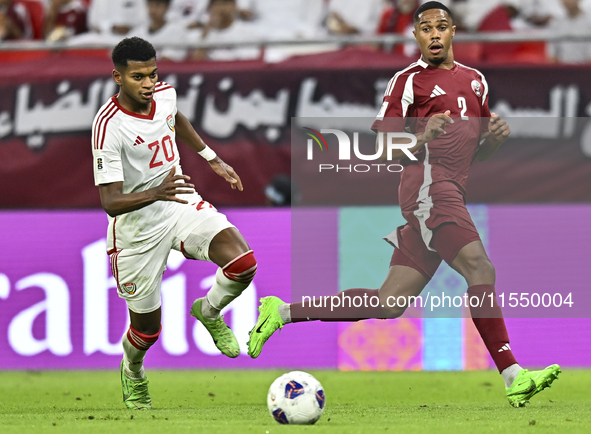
235 402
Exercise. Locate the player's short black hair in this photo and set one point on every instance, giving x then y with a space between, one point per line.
431 5
134 49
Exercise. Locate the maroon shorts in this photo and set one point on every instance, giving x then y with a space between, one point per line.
436 233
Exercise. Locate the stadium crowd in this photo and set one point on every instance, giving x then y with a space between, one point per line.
166 23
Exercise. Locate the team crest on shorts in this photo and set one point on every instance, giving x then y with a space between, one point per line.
476 87
170 122
129 288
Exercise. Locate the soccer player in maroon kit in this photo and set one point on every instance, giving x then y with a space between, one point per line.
445 105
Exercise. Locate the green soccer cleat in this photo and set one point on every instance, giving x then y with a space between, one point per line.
221 334
528 383
269 321
135 392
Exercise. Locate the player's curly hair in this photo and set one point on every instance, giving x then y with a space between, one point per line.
134 49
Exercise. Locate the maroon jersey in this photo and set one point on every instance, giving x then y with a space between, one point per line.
417 93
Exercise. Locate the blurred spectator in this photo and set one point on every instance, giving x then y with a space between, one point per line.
508 16
522 14
458 10
311 14
116 17
224 25
110 20
347 17
473 11
537 13
65 18
191 14
279 191
499 18
247 9
291 19
161 33
15 21
574 22
399 18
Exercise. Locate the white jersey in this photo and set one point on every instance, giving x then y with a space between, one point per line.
139 150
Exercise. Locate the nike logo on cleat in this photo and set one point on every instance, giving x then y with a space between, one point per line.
258 330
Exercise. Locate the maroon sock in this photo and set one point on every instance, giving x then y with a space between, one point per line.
350 305
490 324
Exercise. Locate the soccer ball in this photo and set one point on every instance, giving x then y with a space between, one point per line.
296 398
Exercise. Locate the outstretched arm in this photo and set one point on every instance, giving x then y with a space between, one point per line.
498 132
115 202
187 134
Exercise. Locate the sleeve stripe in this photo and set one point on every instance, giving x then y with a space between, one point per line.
100 124
163 88
485 94
408 96
105 127
392 82
99 120
388 90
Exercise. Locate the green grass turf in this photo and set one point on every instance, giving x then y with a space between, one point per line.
235 402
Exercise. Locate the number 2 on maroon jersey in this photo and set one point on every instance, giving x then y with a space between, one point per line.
462 104
169 156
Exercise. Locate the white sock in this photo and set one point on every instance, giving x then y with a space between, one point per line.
224 291
509 374
133 360
285 312
208 311
139 375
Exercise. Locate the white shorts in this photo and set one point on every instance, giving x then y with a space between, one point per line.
138 271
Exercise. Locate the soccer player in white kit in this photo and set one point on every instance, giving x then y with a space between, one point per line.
153 208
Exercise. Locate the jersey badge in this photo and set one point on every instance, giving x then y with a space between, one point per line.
100 165
129 288
138 141
170 122
477 87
